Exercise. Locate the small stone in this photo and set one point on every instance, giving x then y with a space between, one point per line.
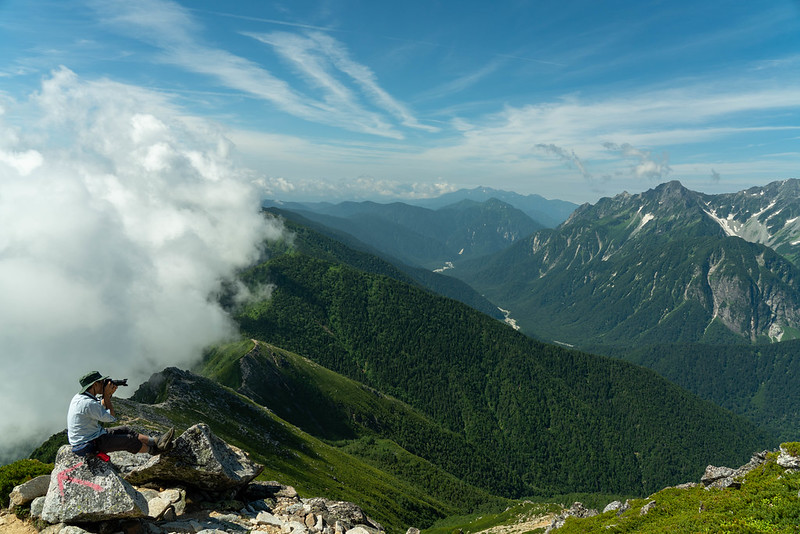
310 520
157 506
37 506
266 518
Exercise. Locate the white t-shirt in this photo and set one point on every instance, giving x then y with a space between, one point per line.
84 417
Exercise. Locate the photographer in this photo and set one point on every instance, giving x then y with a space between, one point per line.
85 414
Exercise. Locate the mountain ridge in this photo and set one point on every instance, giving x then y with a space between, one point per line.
644 258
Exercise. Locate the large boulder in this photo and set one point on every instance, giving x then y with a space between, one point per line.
85 489
199 458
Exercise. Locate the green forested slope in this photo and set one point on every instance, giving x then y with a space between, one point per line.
562 420
326 243
762 382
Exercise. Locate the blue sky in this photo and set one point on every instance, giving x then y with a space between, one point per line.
349 99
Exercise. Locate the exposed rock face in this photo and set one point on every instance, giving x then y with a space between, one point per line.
576 510
725 477
200 458
787 460
88 489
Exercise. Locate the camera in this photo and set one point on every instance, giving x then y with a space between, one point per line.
122 382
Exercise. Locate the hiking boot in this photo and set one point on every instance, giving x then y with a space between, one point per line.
164 442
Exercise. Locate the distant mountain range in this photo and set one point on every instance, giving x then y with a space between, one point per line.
548 213
668 265
424 237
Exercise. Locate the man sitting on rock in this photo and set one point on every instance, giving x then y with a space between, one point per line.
85 414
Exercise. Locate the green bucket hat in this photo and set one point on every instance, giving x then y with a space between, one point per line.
90 378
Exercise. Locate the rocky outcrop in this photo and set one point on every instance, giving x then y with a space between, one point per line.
203 484
576 510
199 458
725 477
788 459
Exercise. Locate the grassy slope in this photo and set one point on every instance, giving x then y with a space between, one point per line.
766 502
335 408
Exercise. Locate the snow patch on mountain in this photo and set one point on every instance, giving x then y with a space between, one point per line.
728 225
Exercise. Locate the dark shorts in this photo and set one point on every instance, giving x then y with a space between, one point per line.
120 438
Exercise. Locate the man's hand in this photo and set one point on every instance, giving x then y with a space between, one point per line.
108 389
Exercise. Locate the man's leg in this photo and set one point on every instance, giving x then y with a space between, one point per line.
123 438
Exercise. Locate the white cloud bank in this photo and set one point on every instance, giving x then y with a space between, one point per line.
120 218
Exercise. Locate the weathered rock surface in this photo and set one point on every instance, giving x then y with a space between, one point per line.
88 489
787 460
199 458
576 510
725 477
27 492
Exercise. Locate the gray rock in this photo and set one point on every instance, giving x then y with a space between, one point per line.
261 489
201 459
295 527
725 477
647 507
88 489
266 518
187 527
27 492
157 506
614 505
37 506
341 513
719 477
576 510
788 461
412 530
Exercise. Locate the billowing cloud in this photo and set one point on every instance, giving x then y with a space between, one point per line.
121 218
568 156
645 166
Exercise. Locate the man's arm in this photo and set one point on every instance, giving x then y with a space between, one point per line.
108 391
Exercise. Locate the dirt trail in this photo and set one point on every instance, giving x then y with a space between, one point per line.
11 524
532 523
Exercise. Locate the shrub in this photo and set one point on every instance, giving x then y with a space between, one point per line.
17 473
47 451
792 448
